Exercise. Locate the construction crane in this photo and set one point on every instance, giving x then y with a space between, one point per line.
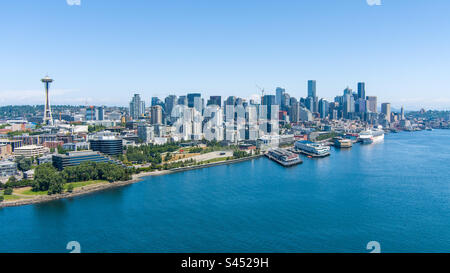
262 92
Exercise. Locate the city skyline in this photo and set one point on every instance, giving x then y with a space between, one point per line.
277 95
158 49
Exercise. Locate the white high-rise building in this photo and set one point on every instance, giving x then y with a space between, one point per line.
137 107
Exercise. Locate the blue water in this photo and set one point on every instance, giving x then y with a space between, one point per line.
396 192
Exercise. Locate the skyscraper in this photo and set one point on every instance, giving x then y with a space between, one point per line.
156 114
372 100
182 100
198 104
361 90
191 97
137 107
285 102
231 100
323 108
349 105
348 91
271 108
169 102
48 119
215 100
312 88
310 103
279 95
95 113
386 110
156 101
294 114
360 106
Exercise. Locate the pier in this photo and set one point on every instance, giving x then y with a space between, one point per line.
284 157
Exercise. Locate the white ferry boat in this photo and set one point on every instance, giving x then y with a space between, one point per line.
371 136
311 148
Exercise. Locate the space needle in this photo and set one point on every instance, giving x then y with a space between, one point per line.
48 119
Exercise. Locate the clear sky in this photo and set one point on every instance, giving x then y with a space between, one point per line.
103 51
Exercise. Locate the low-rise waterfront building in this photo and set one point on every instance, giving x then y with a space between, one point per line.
61 161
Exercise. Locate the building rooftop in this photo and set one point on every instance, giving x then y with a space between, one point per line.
27 147
78 153
7 163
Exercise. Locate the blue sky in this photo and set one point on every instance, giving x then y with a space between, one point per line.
103 51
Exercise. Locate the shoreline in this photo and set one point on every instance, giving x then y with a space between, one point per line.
100 187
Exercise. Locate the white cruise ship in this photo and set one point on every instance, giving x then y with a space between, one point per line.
371 136
311 148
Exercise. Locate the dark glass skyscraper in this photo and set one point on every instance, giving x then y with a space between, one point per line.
269 101
191 98
215 100
361 90
312 88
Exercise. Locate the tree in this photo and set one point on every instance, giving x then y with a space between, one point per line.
70 188
61 150
168 157
46 176
12 179
1 198
23 164
56 184
8 191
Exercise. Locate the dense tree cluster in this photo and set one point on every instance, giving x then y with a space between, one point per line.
47 178
95 128
95 171
14 183
8 191
24 164
326 136
240 154
148 153
195 150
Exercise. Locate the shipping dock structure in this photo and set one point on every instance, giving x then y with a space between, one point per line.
283 157
340 142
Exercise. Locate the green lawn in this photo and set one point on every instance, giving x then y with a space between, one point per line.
30 192
217 159
12 197
75 185
84 183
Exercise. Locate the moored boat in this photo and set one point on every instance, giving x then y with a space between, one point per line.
311 148
371 136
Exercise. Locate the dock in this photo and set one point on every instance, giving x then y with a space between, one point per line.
284 157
